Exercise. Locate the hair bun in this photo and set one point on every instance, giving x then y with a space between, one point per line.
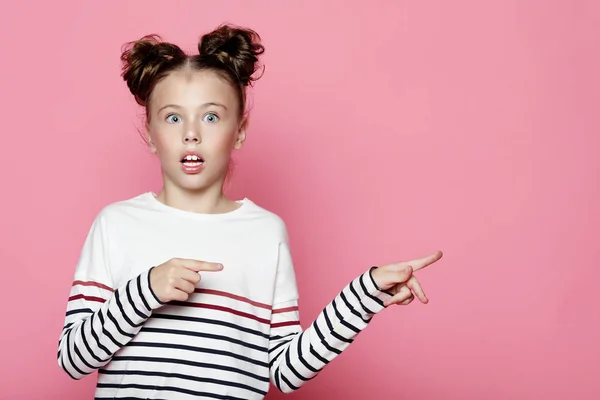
143 61
237 48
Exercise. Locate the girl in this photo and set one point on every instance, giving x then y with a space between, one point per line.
186 293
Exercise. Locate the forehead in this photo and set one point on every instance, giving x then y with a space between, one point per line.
191 89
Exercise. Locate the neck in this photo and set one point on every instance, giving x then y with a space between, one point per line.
207 201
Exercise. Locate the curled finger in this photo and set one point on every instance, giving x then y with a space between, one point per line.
185 286
407 301
190 276
403 294
180 295
416 288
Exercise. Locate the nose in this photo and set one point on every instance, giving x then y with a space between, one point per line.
191 135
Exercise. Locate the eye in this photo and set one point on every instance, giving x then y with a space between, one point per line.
173 118
210 118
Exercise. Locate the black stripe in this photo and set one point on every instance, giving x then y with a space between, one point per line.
291 367
274 359
277 381
83 360
355 293
205 335
85 342
123 313
127 398
318 356
278 345
152 291
278 337
199 350
192 364
301 358
288 382
116 323
375 283
212 322
364 288
330 326
352 310
79 311
327 346
185 377
80 372
62 364
132 304
165 388
107 333
343 322
139 286
95 335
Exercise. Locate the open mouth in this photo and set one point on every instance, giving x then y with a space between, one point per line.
192 161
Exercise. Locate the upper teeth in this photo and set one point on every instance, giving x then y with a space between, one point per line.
192 158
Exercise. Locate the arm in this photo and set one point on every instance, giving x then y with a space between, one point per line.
297 356
100 319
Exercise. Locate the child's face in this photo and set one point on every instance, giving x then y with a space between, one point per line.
194 112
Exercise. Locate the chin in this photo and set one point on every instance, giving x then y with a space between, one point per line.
193 186
196 182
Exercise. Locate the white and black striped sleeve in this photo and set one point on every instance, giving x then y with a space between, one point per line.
296 356
99 319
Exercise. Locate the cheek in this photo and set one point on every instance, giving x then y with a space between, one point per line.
162 146
225 145
221 142
165 135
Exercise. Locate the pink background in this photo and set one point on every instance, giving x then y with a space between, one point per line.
381 131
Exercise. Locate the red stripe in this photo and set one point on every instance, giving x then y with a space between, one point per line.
288 323
284 310
88 298
225 309
96 284
233 296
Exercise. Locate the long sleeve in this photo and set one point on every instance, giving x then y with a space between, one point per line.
100 319
296 356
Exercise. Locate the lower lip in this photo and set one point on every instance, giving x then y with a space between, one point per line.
192 169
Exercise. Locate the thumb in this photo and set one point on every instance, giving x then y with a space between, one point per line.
393 274
401 273
198 265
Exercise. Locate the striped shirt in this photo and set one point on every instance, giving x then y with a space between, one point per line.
237 334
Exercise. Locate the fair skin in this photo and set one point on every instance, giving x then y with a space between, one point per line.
399 279
197 111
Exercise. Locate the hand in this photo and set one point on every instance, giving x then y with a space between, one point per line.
177 278
398 279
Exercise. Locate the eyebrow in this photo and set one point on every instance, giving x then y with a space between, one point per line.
202 106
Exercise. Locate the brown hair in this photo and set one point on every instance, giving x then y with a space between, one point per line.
230 51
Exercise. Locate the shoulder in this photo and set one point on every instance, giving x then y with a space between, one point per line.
121 211
265 218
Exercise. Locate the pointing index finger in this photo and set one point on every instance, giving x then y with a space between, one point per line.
197 265
421 263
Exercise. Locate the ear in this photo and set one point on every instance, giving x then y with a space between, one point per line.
241 135
150 141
